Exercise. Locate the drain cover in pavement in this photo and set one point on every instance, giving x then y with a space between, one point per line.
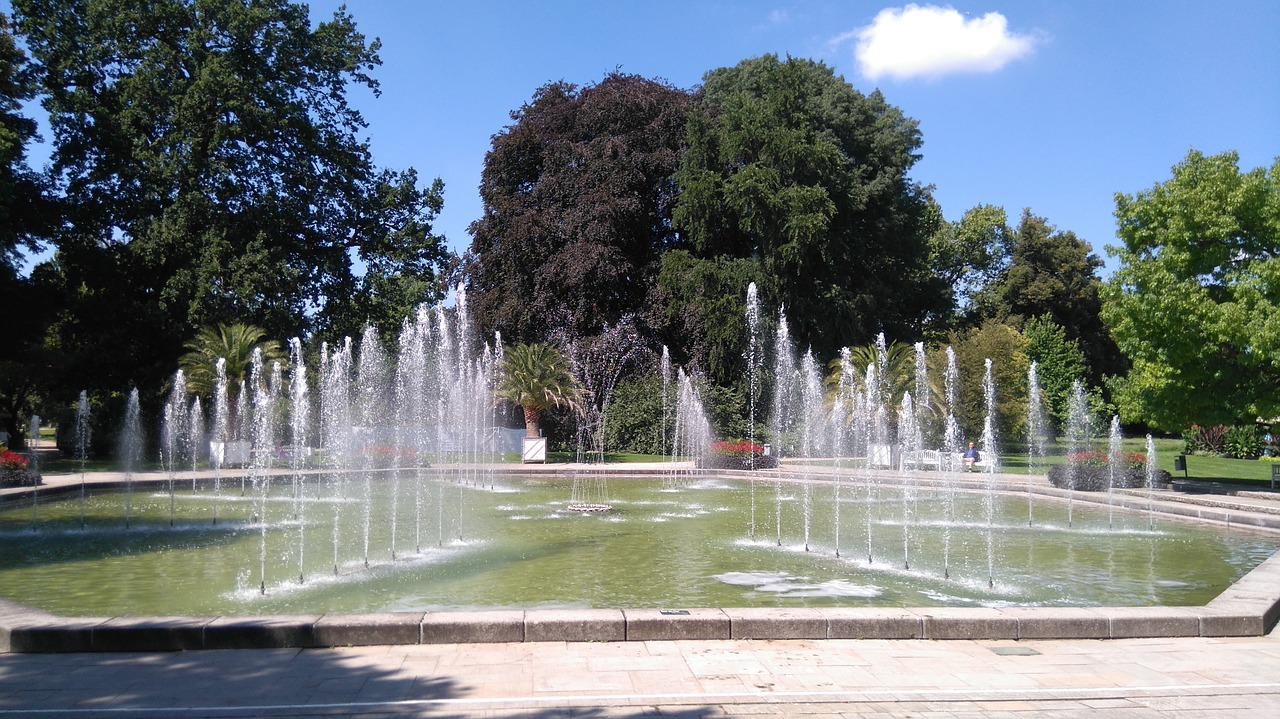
1015 651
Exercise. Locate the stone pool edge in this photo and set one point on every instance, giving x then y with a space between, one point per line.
1250 607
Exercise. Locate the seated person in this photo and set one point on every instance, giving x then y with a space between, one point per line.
971 457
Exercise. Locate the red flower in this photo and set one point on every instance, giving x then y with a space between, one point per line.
12 461
741 448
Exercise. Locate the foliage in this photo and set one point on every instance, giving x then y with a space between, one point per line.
704 318
27 215
968 256
213 171
790 167
739 454
1209 440
235 345
1099 477
12 461
1242 442
897 377
577 207
1059 363
636 420
1052 273
537 377
1006 347
739 448
1094 458
1194 302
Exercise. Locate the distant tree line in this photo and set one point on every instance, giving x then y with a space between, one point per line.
207 169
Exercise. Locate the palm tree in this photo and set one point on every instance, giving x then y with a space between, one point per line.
234 344
537 378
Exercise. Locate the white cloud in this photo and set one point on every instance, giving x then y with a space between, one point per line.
931 41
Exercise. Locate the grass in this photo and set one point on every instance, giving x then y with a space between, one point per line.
1203 468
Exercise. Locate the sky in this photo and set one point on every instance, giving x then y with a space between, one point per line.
1052 106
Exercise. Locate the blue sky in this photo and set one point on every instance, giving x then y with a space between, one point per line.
1069 104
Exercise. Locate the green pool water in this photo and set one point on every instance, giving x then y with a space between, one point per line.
507 542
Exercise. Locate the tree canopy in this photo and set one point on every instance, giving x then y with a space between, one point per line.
1195 303
213 171
789 166
577 198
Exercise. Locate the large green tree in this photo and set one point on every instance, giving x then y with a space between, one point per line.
1195 303
791 167
969 255
214 171
1054 273
577 198
26 216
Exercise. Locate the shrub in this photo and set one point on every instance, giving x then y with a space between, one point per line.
14 471
1204 440
1128 460
1095 478
12 462
1242 442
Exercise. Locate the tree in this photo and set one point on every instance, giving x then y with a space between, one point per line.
791 167
704 314
213 172
969 256
1053 273
537 377
1059 363
1195 303
577 198
1006 348
235 346
26 218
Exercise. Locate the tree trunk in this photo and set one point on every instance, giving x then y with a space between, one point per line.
531 415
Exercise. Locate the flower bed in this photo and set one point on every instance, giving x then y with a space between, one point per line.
737 455
1093 478
15 472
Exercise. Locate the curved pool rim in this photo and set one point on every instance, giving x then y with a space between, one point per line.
1249 607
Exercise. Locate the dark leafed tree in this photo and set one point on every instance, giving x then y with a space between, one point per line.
25 219
215 172
1053 274
577 198
789 166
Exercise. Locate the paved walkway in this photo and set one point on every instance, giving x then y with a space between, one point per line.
1193 677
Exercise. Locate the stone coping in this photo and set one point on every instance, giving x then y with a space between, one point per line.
1249 607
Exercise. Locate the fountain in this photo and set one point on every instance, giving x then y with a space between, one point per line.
335 539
